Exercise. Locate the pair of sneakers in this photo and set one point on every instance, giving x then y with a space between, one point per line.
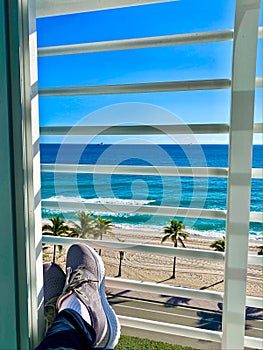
85 278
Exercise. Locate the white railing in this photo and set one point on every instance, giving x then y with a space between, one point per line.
158 288
172 86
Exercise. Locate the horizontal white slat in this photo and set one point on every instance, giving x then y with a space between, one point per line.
143 248
259 83
146 209
141 129
137 209
256 216
258 128
47 8
257 173
135 170
183 292
254 343
143 170
168 328
138 43
159 288
255 259
254 302
170 86
136 129
137 247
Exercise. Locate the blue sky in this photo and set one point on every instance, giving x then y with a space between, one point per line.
184 62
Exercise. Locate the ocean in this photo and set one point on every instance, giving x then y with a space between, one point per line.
195 192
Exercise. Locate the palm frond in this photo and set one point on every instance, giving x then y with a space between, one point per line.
175 232
164 238
218 245
181 241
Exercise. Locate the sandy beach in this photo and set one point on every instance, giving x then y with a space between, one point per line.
193 273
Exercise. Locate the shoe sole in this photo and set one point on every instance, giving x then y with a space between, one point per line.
112 320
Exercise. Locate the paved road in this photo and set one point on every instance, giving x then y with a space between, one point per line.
173 310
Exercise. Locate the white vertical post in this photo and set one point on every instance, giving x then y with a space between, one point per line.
240 158
21 291
32 168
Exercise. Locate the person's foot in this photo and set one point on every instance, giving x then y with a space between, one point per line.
54 281
85 277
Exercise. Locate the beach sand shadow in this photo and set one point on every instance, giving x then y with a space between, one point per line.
212 285
113 297
210 320
213 320
175 301
165 280
253 313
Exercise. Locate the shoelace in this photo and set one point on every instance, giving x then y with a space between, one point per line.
75 279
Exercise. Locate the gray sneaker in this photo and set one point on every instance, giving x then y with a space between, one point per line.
54 281
85 277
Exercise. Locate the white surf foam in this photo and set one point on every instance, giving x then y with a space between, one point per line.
101 200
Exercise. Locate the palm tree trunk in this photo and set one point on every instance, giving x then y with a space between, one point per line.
101 240
119 273
54 253
174 264
120 262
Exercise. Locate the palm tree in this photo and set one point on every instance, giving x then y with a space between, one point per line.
175 232
103 226
85 227
58 228
218 245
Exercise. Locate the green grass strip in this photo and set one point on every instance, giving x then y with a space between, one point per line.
134 343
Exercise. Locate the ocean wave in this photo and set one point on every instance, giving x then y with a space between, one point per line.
100 200
121 217
216 234
155 229
205 233
190 231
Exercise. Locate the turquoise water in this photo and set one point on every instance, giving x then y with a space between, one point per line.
193 192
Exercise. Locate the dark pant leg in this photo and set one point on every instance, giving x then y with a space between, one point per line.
69 331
